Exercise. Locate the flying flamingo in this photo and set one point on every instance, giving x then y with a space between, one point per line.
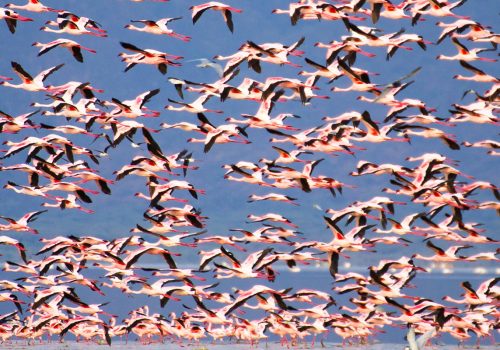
28 82
32 6
67 203
6 240
478 74
148 56
11 17
194 107
360 82
22 223
72 28
226 10
272 197
72 46
158 27
9 124
464 54
447 255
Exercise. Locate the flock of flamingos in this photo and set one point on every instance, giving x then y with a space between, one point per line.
55 155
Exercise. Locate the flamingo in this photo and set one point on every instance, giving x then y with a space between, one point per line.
272 83
223 134
72 46
6 240
226 10
375 7
359 82
158 27
464 54
134 256
404 227
397 43
376 134
72 87
459 26
258 236
489 144
443 255
79 20
330 12
27 190
272 197
69 129
247 90
92 320
158 190
392 11
22 223
285 157
262 118
70 27
271 217
236 59
350 46
134 108
194 107
368 168
299 10
49 143
28 82
9 124
249 268
187 215
67 203
148 56
476 112
79 191
478 74
275 53
100 181
331 71
255 177
437 9
428 132
11 17
475 297
32 6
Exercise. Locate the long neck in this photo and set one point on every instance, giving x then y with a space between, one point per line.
18 86
133 27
